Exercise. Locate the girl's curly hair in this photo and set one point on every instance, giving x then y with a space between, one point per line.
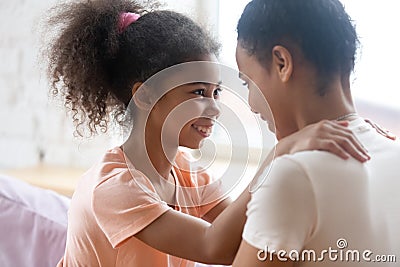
94 67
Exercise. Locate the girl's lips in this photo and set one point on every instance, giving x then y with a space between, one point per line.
203 130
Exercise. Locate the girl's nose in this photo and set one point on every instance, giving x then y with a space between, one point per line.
213 109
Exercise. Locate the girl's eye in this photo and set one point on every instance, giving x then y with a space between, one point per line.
200 92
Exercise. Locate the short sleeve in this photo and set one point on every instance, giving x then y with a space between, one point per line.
125 204
281 214
200 190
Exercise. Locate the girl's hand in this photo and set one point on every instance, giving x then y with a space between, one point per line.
331 136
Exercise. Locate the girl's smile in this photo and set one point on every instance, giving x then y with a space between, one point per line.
204 129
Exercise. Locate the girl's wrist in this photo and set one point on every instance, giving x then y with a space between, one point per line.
283 147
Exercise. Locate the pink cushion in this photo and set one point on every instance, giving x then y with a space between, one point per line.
33 224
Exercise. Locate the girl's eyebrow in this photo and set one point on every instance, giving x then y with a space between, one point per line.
203 83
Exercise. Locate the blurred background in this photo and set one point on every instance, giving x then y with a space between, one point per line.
37 143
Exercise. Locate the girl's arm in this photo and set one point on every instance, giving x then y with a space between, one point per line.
214 212
192 238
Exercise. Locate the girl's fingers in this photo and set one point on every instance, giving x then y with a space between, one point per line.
355 144
342 126
350 148
332 147
343 123
334 137
338 139
348 135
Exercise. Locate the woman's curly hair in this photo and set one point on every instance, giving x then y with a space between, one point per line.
94 67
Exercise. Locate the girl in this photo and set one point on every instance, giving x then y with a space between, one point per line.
119 214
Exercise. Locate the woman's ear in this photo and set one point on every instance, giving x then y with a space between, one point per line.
283 62
140 96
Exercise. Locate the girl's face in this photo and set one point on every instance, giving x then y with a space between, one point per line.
185 115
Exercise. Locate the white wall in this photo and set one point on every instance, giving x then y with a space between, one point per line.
30 126
205 12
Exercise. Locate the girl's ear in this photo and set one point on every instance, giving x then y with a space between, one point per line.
140 96
283 62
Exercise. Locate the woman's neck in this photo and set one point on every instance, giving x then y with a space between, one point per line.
335 103
309 107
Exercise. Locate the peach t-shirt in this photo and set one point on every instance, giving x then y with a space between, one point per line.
112 203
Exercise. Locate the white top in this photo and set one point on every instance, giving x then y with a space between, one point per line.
316 201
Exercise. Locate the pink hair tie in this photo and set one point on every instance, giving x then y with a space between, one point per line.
126 19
